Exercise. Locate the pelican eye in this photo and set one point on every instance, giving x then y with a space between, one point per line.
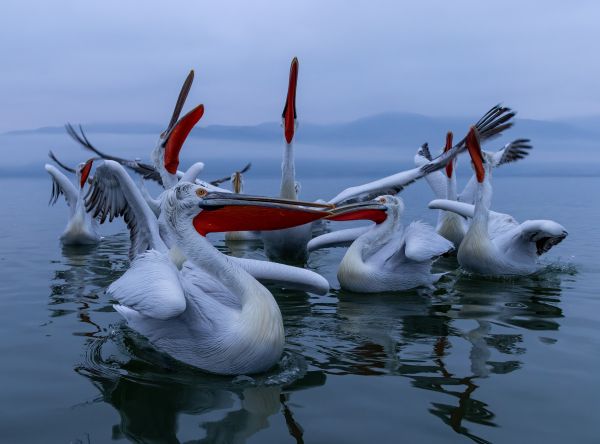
201 192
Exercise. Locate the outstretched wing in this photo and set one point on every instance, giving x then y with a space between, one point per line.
145 170
543 233
512 151
62 185
498 223
65 167
228 178
336 238
112 194
490 125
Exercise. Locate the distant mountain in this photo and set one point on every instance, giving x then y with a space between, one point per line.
388 129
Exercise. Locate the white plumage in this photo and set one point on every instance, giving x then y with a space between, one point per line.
81 229
495 243
390 257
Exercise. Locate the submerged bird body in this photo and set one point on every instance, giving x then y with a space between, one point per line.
390 257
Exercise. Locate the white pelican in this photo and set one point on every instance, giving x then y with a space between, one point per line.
212 315
496 244
389 256
290 244
81 228
451 225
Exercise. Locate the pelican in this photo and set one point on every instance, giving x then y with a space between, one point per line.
290 244
389 256
81 228
212 315
496 244
451 225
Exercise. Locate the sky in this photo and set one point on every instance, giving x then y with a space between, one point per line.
124 61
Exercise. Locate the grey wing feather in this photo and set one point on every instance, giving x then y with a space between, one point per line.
489 126
147 171
113 194
512 151
61 185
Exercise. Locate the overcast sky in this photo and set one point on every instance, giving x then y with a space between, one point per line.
111 61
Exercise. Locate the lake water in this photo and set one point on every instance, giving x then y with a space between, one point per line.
475 359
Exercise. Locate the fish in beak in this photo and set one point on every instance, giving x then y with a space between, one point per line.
179 129
371 210
474 148
289 110
239 212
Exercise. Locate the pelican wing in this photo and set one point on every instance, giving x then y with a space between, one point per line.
460 208
543 233
62 185
112 194
285 275
192 172
489 126
498 223
512 151
335 238
153 203
151 287
388 185
437 180
422 243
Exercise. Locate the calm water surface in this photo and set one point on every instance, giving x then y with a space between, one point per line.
481 360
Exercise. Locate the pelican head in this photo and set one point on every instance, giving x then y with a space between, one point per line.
166 153
82 171
481 161
289 110
212 212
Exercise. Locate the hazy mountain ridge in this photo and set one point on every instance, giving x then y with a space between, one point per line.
387 129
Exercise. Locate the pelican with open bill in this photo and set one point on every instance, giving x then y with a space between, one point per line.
190 300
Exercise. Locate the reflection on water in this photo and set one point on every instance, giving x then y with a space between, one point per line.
418 336
450 341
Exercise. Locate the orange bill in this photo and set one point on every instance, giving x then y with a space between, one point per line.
85 172
289 110
177 137
249 217
474 148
